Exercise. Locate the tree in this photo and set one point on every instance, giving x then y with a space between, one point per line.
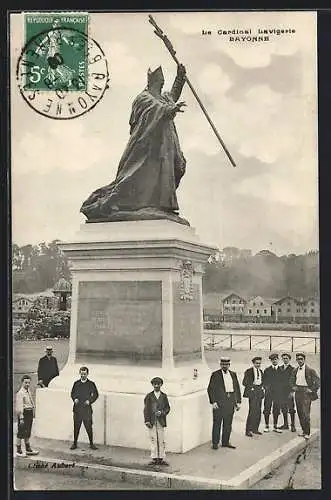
38 267
263 274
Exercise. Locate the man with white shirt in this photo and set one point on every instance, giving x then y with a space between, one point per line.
156 409
272 386
304 383
25 409
224 396
255 393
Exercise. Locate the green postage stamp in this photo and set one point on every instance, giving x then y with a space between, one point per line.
62 72
61 48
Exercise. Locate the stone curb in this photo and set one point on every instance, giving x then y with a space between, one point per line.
168 481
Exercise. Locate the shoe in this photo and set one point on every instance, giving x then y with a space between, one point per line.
154 461
293 429
31 452
93 447
20 453
163 462
266 429
215 446
276 429
73 446
249 434
284 427
258 433
306 436
301 434
228 446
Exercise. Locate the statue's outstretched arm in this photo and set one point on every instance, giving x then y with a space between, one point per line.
178 84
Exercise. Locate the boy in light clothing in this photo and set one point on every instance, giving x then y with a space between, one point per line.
156 408
25 412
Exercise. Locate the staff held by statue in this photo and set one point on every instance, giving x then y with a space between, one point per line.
169 46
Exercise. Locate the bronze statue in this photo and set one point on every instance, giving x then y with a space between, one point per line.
152 164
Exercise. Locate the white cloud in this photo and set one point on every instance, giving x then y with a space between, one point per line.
213 80
125 69
64 144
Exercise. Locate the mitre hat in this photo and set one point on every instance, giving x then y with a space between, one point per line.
155 76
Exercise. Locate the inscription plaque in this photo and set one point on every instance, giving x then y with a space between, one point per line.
120 320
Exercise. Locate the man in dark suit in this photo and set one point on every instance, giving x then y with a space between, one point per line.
224 395
156 409
47 368
272 397
305 383
84 393
255 393
287 400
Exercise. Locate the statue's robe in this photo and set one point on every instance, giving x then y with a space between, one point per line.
151 166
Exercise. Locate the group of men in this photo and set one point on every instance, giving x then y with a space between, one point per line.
282 387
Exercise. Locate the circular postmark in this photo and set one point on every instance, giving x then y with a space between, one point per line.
62 73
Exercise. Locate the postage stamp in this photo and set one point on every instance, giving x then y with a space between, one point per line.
62 73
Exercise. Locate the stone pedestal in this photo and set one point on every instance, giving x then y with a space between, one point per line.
136 313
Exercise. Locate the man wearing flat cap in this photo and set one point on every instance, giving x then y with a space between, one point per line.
224 396
304 383
156 409
271 381
47 368
255 393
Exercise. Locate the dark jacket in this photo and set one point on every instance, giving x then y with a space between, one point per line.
271 380
248 382
47 369
216 390
84 391
312 379
152 404
285 377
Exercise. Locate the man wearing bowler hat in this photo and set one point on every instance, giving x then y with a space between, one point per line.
255 393
156 409
224 396
272 385
47 368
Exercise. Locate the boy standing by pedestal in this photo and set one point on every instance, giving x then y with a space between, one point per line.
156 408
25 413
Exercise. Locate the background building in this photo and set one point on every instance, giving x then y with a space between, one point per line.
258 309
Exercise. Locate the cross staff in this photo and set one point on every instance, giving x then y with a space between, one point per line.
172 51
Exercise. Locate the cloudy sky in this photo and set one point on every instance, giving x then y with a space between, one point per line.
262 98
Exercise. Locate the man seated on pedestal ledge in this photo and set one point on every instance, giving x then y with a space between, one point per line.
156 408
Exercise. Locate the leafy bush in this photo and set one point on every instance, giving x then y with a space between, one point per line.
41 323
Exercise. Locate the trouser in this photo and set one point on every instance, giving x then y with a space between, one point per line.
287 407
157 440
254 412
271 400
303 403
24 428
223 415
87 421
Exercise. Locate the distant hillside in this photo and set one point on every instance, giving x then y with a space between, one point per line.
37 268
263 274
